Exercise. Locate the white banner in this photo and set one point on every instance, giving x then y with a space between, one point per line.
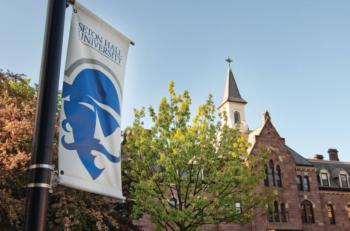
90 135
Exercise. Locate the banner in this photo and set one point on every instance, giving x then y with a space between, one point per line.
90 133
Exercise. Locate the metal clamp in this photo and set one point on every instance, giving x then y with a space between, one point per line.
47 166
53 177
39 185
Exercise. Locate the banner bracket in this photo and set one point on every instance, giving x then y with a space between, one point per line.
54 181
54 178
70 2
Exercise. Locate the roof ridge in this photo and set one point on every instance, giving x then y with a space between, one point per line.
329 161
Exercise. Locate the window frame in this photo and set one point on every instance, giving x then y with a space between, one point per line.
270 214
299 182
307 212
330 214
345 174
283 211
276 212
266 180
236 116
271 171
306 182
347 209
324 172
279 176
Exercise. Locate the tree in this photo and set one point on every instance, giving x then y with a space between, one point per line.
16 125
69 209
187 173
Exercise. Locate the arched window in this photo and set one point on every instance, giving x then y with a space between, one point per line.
269 214
271 174
237 117
324 176
276 213
307 212
347 208
330 214
299 183
306 183
266 180
283 213
343 179
278 176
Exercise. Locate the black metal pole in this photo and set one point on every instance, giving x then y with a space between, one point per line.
40 168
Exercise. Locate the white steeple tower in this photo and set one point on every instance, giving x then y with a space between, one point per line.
233 103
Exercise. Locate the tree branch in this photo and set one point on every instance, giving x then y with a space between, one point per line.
188 185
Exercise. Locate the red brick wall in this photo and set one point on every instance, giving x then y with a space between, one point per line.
313 196
288 192
339 201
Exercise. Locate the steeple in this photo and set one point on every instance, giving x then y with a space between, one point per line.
231 92
233 103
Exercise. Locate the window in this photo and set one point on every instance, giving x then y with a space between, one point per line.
271 174
307 213
330 214
348 211
306 183
266 180
269 214
283 213
299 183
343 180
238 208
237 117
303 183
324 179
279 176
276 212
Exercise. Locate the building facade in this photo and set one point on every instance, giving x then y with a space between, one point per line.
310 194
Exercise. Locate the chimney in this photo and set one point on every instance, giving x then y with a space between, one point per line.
333 154
318 157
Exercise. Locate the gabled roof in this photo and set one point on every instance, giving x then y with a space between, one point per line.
231 92
299 160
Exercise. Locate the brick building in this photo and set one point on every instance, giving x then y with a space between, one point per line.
311 194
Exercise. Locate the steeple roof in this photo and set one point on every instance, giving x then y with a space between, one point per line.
231 92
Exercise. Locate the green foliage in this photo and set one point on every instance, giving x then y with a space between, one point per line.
187 173
69 209
16 85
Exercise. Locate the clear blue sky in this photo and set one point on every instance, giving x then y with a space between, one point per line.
290 57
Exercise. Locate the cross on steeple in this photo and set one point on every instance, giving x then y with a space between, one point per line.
229 61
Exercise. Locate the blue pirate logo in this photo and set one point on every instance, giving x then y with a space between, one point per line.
92 96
